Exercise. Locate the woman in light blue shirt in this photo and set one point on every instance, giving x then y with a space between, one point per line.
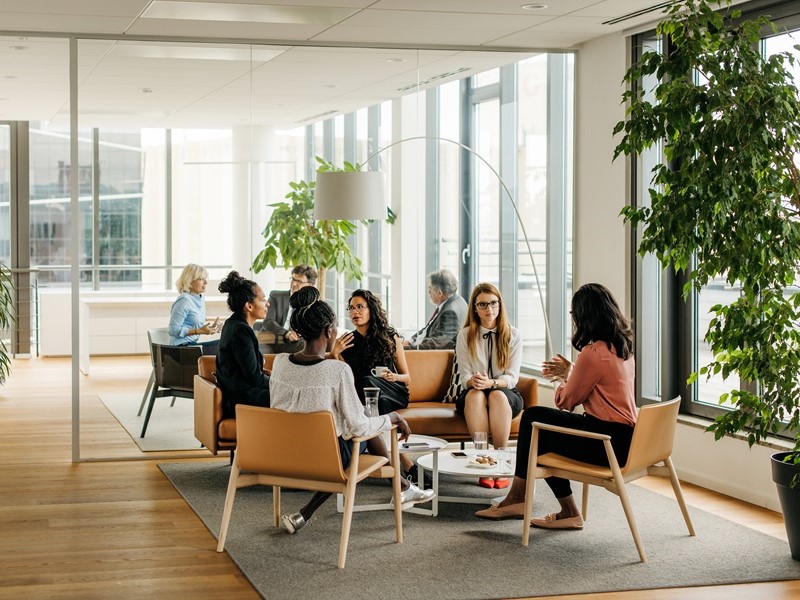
187 319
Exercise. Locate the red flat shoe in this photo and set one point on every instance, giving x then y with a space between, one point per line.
486 482
501 482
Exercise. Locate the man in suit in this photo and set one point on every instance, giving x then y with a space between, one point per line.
275 335
447 320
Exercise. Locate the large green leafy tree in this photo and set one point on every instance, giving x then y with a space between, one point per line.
292 236
725 202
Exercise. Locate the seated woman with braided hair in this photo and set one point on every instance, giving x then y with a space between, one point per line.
308 382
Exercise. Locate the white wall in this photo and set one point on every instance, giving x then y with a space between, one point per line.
601 254
600 185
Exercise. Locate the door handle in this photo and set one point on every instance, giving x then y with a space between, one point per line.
465 254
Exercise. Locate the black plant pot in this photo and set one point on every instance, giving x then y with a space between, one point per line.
783 475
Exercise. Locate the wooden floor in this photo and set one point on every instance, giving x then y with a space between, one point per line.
118 529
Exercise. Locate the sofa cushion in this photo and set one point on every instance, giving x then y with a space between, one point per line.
430 371
227 429
454 388
441 420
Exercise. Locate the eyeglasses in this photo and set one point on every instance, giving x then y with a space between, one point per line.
356 308
485 305
304 281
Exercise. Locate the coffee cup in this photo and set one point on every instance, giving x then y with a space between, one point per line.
379 371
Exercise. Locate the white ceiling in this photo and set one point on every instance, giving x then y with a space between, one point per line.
276 83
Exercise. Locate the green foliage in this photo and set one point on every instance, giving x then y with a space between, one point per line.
6 319
726 203
292 235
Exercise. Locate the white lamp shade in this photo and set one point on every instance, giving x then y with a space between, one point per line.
349 196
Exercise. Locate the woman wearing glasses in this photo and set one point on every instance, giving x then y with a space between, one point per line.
374 343
489 354
187 317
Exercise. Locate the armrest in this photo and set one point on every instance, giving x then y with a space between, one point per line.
364 438
568 431
207 412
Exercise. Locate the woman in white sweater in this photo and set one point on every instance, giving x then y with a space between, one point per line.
308 382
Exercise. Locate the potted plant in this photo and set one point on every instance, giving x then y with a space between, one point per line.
292 235
6 319
725 205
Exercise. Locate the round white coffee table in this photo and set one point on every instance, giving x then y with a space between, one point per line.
450 463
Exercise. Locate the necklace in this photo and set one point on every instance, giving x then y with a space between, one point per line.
311 355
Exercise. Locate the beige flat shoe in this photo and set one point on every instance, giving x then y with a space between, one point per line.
551 522
501 513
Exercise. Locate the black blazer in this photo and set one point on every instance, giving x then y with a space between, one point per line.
240 373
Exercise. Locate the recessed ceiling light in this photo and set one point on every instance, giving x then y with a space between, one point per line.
147 91
329 85
10 77
396 60
533 6
19 48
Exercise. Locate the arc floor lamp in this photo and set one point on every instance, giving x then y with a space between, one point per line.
360 194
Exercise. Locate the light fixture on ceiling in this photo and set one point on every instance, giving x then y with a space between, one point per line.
147 90
352 195
533 6
18 48
396 60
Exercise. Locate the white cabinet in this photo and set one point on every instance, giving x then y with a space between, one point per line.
111 322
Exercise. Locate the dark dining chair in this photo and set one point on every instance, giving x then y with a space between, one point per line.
174 368
159 335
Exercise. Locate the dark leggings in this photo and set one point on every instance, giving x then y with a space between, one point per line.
319 498
576 448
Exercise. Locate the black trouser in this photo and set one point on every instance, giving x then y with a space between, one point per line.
574 447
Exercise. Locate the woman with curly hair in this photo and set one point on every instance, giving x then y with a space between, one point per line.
489 355
374 343
240 364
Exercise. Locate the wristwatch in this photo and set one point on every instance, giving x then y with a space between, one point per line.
494 384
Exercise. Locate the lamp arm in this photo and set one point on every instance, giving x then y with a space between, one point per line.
549 338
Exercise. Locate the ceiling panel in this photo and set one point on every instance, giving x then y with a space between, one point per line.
210 84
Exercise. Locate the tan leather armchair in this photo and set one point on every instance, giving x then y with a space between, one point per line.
214 432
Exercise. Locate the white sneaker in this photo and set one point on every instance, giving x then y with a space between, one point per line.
414 495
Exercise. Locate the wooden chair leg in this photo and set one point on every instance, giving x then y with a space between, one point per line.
530 486
676 487
622 492
226 512
585 501
347 519
398 508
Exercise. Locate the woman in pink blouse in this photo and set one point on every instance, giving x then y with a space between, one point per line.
602 382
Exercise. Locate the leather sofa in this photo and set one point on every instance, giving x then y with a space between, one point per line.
426 413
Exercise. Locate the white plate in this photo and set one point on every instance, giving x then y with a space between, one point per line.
473 463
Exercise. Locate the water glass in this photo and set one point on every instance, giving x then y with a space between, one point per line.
371 401
504 456
481 440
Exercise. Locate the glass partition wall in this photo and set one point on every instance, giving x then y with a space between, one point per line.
183 146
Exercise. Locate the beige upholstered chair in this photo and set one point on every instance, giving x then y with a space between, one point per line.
652 442
301 450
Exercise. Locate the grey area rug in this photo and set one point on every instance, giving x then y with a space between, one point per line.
458 556
170 427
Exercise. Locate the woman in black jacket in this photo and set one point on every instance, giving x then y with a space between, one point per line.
240 364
